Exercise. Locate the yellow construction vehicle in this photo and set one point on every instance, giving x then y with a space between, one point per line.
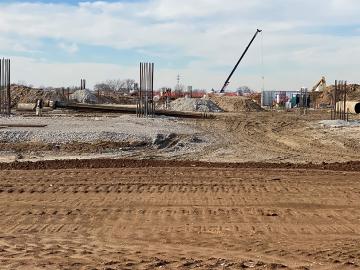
320 86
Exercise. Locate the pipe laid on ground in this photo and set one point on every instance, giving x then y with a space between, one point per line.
26 106
351 106
132 109
21 126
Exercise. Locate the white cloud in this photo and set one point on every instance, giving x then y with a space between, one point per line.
43 73
214 32
70 48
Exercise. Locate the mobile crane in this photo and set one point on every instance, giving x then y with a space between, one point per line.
237 64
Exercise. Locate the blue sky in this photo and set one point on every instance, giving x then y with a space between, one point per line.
58 42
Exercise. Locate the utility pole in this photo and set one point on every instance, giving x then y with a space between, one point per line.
178 81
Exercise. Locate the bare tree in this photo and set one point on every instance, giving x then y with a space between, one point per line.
115 85
129 84
244 90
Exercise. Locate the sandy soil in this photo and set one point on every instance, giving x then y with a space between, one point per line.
190 216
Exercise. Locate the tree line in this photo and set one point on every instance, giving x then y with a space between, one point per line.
116 85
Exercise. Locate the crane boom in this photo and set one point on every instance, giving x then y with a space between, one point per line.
237 64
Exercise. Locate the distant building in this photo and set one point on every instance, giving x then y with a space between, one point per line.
290 99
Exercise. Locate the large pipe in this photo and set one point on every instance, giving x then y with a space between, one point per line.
26 106
351 106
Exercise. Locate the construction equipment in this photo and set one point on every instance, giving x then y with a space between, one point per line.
320 85
237 64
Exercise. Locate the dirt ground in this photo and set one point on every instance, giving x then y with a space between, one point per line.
263 193
185 215
273 137
279 137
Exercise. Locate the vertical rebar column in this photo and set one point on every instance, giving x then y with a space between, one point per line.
306 101
340 94
82 84
342 99
5 97
152 89
143 94
335 99
1 86
8 96
145 104
345 84
146 88
139 93
141 89
301 101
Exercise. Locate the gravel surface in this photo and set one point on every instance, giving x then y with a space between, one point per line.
87 129
60 130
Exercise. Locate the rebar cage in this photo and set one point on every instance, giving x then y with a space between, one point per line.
5 98
145 104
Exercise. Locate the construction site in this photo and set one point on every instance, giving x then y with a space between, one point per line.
155 179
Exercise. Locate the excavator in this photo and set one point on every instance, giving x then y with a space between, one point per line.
238 62
320 86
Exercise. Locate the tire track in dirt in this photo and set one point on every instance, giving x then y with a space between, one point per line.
275 137
185 217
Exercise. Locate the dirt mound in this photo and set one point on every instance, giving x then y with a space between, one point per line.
24 94
236 104
194 105
326 97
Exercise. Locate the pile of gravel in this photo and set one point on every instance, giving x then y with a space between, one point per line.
194 105
84 96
